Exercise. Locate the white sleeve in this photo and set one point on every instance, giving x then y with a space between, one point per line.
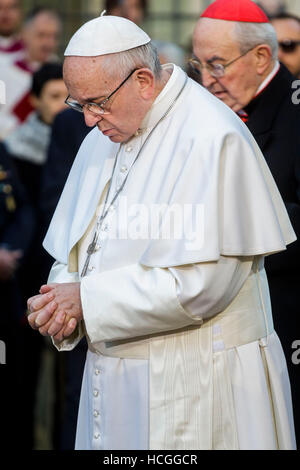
60 274
136 300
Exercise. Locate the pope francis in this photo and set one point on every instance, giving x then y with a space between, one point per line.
159 239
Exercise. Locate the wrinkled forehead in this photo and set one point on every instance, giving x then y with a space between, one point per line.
215 38
86 76
286 27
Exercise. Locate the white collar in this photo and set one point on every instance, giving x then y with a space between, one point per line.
166 96
269 78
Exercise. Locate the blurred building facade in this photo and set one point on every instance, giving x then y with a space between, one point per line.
167 20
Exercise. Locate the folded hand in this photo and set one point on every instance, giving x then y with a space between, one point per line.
56 311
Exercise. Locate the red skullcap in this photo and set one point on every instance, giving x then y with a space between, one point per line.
235 10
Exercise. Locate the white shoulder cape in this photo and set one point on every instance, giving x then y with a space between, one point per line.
200 154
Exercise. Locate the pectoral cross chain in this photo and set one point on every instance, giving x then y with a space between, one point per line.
91 250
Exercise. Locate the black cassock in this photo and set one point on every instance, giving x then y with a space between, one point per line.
274 120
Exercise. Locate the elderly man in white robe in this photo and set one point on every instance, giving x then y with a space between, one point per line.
175 307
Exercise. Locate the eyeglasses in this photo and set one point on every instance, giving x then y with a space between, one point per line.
288 45
215 70
96 108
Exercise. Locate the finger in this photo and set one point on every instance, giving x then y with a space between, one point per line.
41 301
47 288
58 324
30 300
31 320
67 331
45 314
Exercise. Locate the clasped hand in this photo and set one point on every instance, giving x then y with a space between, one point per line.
56 311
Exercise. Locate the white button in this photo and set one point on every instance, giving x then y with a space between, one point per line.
91 268
104 228
96 393
97 435
97 247
97 371
118 188
129 149
96 414
124 169
112 208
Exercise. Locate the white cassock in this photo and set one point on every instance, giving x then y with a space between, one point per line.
182 350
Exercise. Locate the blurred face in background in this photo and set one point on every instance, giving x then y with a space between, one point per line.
288 35
51 100
10 17
41 37
133 10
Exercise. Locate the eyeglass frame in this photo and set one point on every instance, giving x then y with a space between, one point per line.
223 67
80 107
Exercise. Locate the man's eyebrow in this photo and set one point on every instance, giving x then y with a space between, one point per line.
215 57
96 98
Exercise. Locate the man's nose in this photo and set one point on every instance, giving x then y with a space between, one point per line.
91 119
281 54
207 78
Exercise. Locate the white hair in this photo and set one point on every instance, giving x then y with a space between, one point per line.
250 35
122 63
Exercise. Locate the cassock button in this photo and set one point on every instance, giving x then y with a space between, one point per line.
97 371
97 436
129 149
96 393
96 414
124 169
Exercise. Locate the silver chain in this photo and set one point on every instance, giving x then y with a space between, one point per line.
92 247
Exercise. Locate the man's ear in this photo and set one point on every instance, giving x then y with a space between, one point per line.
146 83
34 101
263 56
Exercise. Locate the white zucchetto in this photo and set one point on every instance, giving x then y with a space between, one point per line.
106 35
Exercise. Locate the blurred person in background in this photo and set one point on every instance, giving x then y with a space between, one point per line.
28 147
68 132
40 33
28 144
11 44
17 224
287 29
170 53
235 49
272 7
133 10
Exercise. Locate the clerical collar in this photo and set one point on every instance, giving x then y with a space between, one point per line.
11 44
166 96
269 78
243 113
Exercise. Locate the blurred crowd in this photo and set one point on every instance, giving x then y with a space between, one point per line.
39 139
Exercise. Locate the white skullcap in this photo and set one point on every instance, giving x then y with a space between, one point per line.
106 35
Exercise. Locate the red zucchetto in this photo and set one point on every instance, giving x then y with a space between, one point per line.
235 10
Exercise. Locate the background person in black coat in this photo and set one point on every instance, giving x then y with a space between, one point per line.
17 223
68 132
259 89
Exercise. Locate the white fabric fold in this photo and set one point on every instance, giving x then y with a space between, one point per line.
245 217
